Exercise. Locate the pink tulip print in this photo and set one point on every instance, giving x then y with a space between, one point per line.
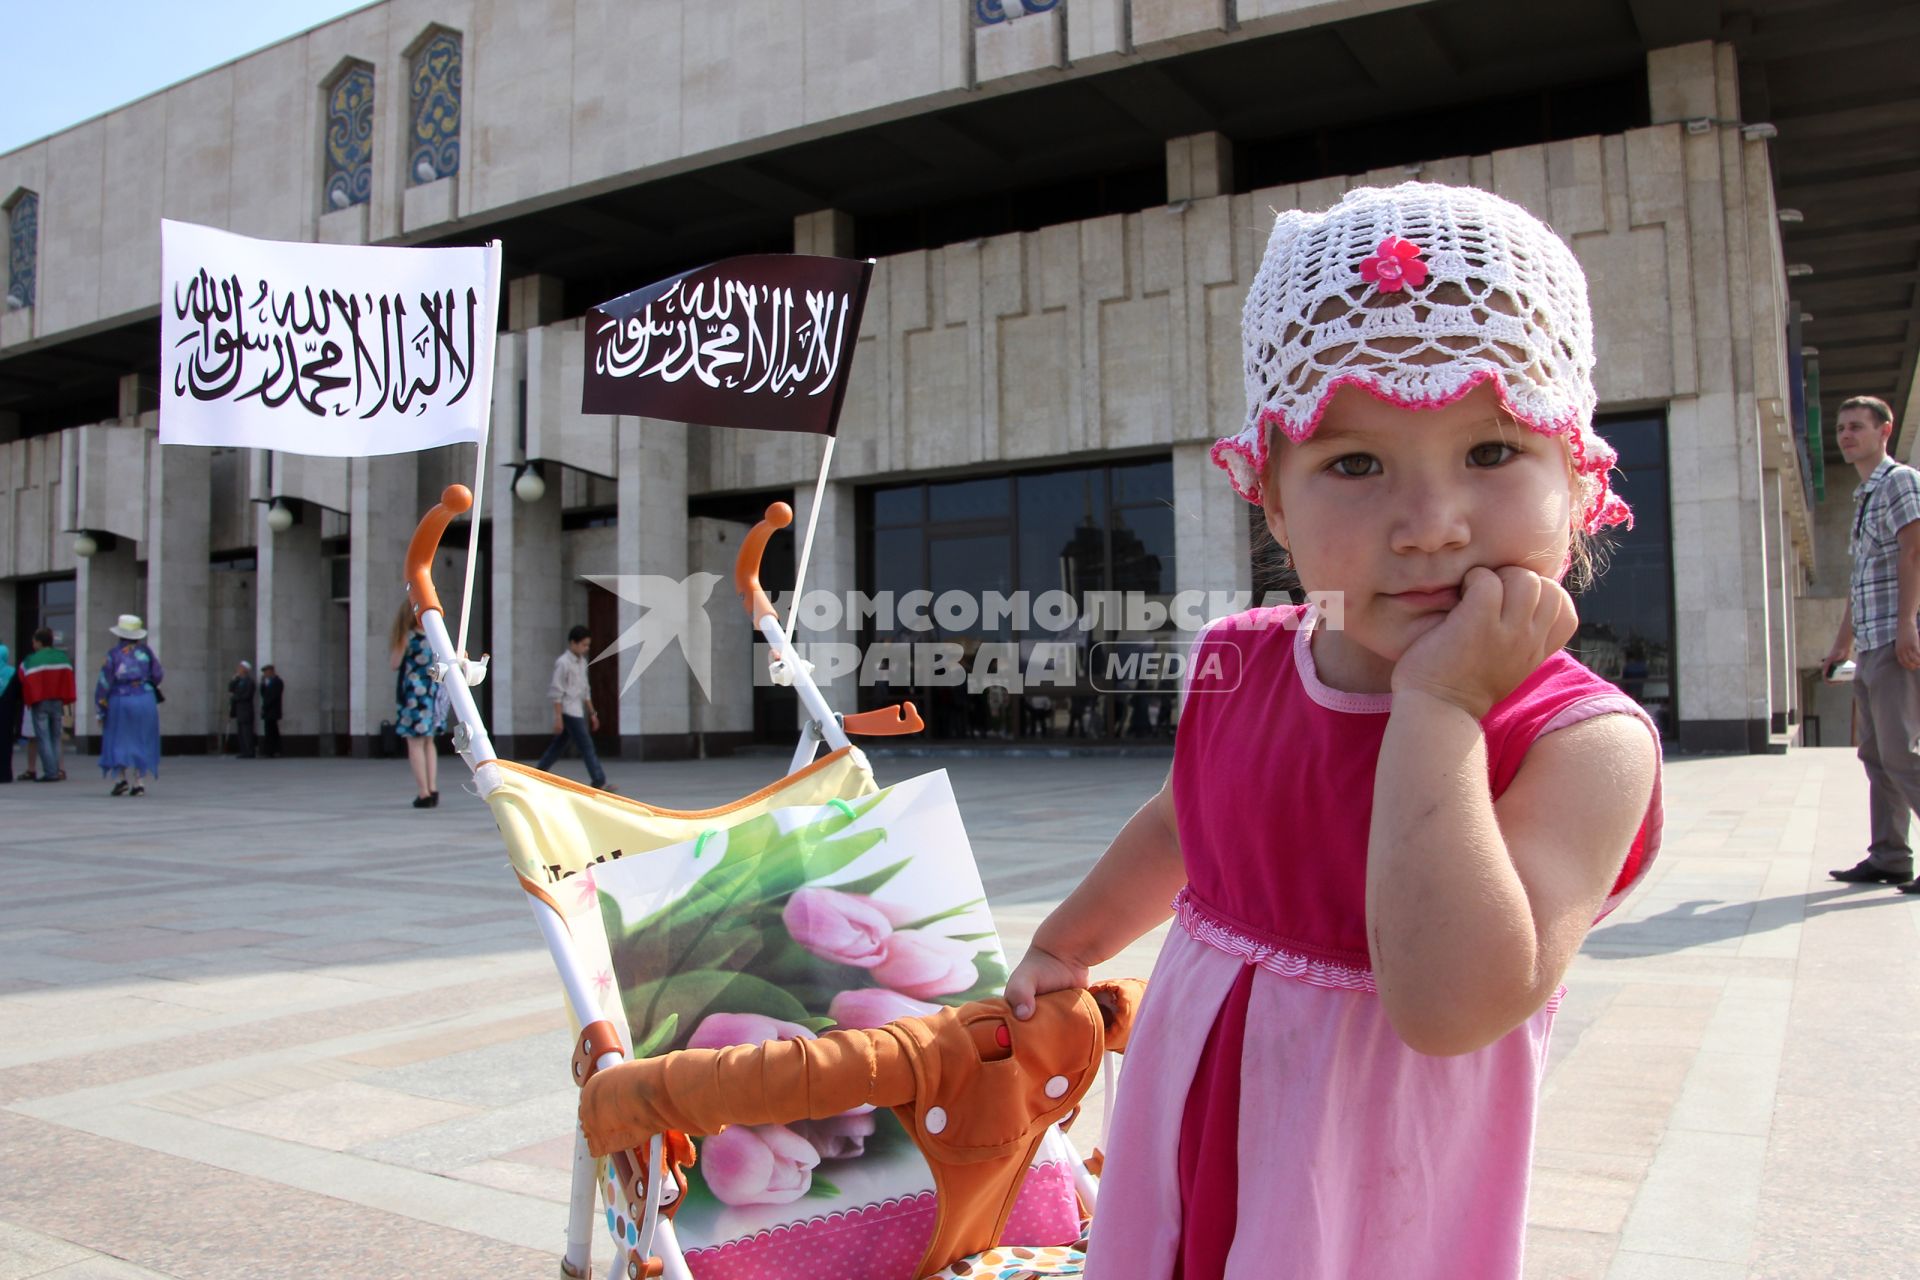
866 1007
926 965
719 1030
758 1164
840 918
841 1137
846 928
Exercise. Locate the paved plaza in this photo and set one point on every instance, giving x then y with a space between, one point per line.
270 1021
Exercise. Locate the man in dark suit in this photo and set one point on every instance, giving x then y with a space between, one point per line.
240 707
271 687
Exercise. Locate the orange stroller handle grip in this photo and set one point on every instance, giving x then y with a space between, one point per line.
454 500
746 565
884 722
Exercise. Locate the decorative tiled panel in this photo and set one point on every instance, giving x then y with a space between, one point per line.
433 138
349 179
988 12
23 232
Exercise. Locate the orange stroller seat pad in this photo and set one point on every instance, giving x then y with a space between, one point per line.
975 1088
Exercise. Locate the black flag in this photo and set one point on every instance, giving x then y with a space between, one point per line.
759 341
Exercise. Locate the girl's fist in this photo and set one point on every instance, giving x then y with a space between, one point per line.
1507 623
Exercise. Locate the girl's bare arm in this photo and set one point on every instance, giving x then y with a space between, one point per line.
1128 892
1475 908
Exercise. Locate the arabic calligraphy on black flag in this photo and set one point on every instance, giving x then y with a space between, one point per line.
762 341
341 350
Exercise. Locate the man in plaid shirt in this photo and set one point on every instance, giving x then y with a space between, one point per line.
1882 602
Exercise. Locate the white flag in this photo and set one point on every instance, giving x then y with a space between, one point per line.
341 350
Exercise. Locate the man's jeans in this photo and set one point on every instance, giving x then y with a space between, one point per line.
574 728
46 732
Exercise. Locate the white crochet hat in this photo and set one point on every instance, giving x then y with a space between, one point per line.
1419 293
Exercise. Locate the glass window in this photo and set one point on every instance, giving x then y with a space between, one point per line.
897 562
349 165
55 610
433 86
905 505
23 249
969 500
1143 550
1079 530
1060 540
1144 482
974 564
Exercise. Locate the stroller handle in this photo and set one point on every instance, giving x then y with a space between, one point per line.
454 500
746 565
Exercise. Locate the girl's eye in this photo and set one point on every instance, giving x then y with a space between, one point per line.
1490 454
1355 464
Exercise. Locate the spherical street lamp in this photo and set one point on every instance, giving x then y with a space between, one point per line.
529 486
279 516
84 544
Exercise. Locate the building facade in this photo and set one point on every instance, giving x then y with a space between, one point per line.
1066 199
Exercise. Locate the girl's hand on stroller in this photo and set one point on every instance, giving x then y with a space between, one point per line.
1038 973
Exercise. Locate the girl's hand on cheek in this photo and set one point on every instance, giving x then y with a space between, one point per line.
1506 624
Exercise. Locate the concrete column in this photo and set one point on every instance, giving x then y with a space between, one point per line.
1781 677
724 719
1723 587
290 625
1681 82
827 232
180 614
656 711
129 413
1199 166
383 497
1211 546
831 571
529 619
531 302
106 585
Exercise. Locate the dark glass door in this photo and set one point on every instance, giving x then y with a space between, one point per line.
1626 617
1078 533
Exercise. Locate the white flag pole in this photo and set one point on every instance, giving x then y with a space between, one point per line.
492 313
806 546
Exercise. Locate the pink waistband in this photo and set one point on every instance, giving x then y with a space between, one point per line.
1207 926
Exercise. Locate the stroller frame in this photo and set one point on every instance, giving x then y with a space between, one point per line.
457 675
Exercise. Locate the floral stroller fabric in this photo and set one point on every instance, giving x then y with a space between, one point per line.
821 902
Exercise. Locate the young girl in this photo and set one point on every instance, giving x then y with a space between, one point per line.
1385 834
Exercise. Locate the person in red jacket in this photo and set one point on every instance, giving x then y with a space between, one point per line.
47 687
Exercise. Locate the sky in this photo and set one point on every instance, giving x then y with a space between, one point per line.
71 60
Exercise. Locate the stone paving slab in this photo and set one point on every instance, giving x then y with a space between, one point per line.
272 1021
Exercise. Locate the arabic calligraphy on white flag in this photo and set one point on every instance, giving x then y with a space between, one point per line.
340 350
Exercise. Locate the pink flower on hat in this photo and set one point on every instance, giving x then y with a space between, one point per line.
1395 266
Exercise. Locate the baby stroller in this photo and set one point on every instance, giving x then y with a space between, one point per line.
820 907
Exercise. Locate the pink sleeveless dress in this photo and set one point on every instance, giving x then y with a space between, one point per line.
1270 1123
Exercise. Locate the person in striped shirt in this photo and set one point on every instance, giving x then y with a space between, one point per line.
46 677
1881 627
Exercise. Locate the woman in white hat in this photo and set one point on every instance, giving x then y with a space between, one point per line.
127 696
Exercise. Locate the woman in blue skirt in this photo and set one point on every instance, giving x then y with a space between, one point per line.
417 703
126 696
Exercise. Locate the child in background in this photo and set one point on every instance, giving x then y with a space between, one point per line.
1385 833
